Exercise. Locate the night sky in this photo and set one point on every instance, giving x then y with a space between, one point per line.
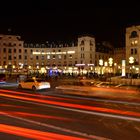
39 21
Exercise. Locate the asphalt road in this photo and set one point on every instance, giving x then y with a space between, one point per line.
50 114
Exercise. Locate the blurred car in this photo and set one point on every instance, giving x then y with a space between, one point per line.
2 78
34 84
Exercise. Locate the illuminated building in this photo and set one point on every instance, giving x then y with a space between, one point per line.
133 47
81 56
11 52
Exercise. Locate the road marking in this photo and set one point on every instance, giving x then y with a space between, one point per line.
83 111
57 128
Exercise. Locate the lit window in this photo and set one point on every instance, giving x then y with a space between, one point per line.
59 56
136 41
48 57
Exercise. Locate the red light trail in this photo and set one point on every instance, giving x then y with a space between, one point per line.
35 134
70 105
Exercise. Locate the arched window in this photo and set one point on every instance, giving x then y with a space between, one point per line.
82 42
133 34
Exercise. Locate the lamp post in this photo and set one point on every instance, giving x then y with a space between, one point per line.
101 64
131 61
110 61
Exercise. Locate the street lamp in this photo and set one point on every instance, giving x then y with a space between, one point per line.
131 61
110 61
101 64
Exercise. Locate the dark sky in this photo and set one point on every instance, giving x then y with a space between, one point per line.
64 20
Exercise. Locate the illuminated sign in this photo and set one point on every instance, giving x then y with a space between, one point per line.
44 53
80 64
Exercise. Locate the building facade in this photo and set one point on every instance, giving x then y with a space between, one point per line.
133 49
81 57
11 52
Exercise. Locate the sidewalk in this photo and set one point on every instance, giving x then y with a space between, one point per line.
129 93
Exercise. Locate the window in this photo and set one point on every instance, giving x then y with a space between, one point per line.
37 57
31 57
82 49
19 50
134 42
4 63
14 50
82 42
9 57
9 50
131 51
25 50
42 57
25 57
65 56
135 51
65 63
48 57
133 34
4 50
83 55
10 44
53 56
70 56
19 56
59 56
90 55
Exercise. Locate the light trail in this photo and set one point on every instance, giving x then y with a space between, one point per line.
77 106
57 128
35 95
35 134
98 100
25 114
